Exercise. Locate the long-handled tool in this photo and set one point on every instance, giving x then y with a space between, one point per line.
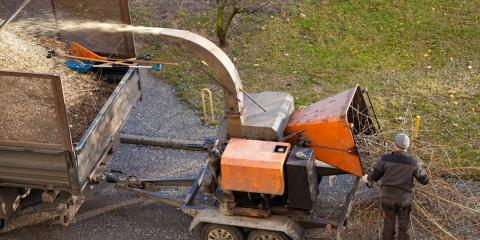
83 67
137 60
96 60
14 14
80 51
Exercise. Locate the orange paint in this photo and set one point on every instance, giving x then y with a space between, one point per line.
78 50
254 166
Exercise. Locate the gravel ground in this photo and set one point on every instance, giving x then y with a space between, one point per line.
161 114
108 214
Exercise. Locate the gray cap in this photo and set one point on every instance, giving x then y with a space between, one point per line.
402 140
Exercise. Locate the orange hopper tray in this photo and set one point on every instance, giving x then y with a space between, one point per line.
329 126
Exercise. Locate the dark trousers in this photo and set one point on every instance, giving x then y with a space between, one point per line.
391 211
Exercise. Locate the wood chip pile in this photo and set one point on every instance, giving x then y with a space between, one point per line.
84 94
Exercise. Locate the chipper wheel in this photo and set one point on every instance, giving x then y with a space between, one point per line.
220 232
267 235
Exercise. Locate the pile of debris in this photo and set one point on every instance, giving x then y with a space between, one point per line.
84 94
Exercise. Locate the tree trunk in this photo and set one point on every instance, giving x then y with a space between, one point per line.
220 33
222 25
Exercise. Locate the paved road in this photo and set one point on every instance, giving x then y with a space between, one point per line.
108 214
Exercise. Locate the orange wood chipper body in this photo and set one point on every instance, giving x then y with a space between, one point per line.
286 171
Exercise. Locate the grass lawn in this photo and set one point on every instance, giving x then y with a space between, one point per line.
415 57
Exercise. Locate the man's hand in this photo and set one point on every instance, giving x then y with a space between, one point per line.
365 180
422 176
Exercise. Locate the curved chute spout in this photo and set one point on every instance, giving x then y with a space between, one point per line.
223 67
203 48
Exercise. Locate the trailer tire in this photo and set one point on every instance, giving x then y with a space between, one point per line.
267 235
220 232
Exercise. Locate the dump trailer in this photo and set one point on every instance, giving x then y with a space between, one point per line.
41 155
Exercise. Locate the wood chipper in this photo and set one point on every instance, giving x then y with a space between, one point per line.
265 165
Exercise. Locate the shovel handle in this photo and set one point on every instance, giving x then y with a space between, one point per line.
97 60
135 60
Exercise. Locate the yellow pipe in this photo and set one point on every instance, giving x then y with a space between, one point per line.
418 120
210 98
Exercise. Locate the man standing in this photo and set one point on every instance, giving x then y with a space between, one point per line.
397 171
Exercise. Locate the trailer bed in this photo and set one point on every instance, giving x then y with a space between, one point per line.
54 163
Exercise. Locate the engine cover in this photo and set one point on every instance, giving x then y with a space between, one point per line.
254 166
270 125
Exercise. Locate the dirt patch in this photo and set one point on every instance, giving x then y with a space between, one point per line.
26 111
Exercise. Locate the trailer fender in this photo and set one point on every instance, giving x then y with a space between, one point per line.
272 223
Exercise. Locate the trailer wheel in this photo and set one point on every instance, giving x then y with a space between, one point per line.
220 232
267 235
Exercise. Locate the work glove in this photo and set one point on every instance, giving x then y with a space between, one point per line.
421 171
365 180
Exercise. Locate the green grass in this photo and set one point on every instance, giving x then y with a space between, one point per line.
411 55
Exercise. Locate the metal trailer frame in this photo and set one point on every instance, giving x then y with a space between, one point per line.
295 227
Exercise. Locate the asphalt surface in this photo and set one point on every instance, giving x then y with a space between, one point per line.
108 214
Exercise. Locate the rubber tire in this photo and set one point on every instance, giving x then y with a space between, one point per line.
234 231
257 233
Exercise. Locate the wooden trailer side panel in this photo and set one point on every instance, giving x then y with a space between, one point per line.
96 142
20 167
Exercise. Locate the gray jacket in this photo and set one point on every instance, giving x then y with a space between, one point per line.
397 171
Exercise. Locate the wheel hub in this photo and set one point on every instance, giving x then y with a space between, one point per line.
220 234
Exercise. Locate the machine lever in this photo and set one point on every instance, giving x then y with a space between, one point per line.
253 100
